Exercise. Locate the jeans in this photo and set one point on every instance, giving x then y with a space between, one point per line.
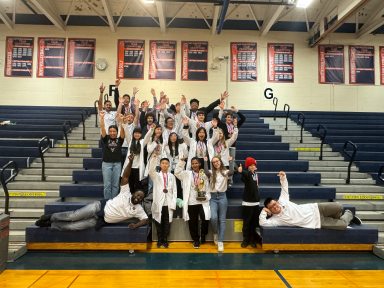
219 205
79 219
111 178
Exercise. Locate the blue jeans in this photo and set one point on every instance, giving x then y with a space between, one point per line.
80 219
219 205
111 178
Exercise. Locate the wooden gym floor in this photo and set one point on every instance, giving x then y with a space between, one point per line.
104 269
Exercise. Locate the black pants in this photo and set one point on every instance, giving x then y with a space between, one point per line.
134 180
124 151
163 227
250 222
194 211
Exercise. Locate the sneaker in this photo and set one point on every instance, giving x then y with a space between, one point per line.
45 217
220 246
159 244
244 244
165 244
215 238
42 223
202 239
196 244
253 244
356 220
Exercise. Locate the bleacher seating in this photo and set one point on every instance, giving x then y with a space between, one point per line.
255 140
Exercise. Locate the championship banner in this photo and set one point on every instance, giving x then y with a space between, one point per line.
331 64
361 65
280 63
19 57
51 57
243 61
194 64
81 58
130 59
162 62
381 51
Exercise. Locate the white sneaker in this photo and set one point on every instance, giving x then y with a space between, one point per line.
220 246
215 238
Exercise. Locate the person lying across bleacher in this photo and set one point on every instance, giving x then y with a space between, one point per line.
283 212
123 207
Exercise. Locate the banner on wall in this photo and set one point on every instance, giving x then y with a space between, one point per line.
331 64
19 57
280 62
194 64
381 51
162 59
81 58
51 57
130 59
243 61
361 65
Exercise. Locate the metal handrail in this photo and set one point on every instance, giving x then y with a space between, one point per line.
83 121
65 131
96 105
351 158
42 150
322 138
286 115
4 182
379 174
275 101
301 121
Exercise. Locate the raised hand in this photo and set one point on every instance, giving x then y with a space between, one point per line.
121 100
185 121
235 121
153 126
162 94
102 88
135 90
240 169
183 99
117 82
224 95
233 108
131 156
281 174
153 92
221 105
136 102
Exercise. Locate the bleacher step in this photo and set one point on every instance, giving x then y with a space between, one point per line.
52 178
16 250
364 205
58 165
61 159
38 185
316 157
343 175
328 163
82 143
359 196
17 235
381 238
370 215
73 155
28 202
375 224
60 171
26 212
322 169
25 193
21 224
70 150
329 181
345 188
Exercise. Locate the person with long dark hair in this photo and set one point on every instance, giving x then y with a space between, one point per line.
111 166
196 199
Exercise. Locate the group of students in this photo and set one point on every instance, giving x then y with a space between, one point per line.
182 161
186 160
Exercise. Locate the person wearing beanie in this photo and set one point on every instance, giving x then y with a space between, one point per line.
251 202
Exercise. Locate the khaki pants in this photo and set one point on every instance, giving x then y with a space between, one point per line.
331 216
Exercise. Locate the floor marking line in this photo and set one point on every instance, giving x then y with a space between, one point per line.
282 278
70 284
42 275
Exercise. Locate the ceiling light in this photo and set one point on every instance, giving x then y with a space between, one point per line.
303 3
149 1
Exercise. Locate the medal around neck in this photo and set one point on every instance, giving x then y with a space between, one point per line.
165 190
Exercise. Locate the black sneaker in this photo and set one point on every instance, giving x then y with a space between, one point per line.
42 223
45 217
244 244
202 239
356 220
196 244
159 243
253 244
165 244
